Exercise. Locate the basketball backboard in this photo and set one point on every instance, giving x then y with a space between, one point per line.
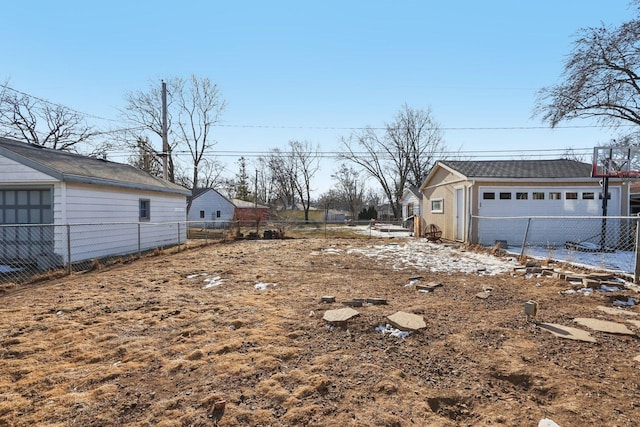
616 162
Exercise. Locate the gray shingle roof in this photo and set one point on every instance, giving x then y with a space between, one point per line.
559 168
72 167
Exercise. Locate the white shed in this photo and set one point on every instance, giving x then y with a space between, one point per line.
210 207
58 207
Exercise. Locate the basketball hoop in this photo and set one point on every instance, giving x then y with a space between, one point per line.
616 162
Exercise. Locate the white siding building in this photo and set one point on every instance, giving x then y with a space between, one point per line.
211 207
58 207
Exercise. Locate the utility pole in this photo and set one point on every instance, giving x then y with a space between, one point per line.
165 140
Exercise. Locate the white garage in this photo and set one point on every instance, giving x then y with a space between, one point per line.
493 200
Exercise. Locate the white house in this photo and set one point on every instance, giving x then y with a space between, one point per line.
411 205
469 200
208 205
58 207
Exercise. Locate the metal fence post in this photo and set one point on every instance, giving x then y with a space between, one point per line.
69 249
179 237
139 242
636 270
524 240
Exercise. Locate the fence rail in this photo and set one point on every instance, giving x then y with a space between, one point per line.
28 252
609 243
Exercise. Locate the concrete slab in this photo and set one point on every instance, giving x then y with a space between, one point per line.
567 332
617 311
340 315
407 321
604 326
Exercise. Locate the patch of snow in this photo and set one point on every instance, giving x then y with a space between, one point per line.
394 332
263 286
212 282
615 262
433 257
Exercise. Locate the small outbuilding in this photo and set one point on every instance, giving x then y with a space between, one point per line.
58 207
210 207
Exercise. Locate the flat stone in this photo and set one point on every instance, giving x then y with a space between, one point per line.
567 332
612 310
340 315
407 321
483 294
429 286
634 322
376 301
604 326
637 358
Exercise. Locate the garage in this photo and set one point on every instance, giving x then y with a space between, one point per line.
561 203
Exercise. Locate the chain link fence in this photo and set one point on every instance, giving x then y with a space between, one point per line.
607 243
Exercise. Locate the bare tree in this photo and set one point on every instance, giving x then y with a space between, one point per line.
399 156
600 78
349 189
194 106
305 158
291 173
281 172
42 123
145 157
200 106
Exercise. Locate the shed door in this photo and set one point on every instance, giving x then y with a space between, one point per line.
20 208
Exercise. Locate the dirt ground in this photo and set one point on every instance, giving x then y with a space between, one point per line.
188 340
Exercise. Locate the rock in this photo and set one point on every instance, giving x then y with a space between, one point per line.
546 422
340 315
604 326
406 321
567 332
328 299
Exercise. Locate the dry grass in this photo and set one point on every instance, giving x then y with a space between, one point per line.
145 343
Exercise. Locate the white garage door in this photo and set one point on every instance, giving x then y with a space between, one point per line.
519 202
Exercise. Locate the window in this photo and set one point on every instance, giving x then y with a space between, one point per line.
145 209
201 214
522 196
505 196
555 195
437 206
538 195
218 213
571 195
489 196
588 196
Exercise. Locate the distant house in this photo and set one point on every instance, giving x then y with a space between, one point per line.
455 192
249 212
52 189
208 205
411 206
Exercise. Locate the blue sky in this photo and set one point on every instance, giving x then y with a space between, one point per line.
306 70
